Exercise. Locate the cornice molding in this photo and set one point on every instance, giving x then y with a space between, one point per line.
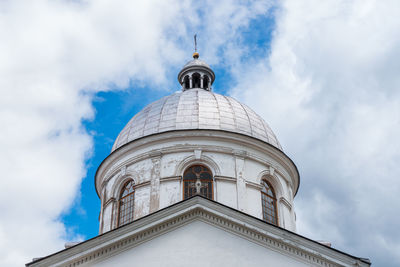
254 185
225 178
199 208
170 178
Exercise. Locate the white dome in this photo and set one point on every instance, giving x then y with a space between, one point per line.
196 109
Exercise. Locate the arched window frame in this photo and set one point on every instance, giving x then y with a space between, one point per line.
206 81
131 208
200 159
186 82
210 186
264 203
196 77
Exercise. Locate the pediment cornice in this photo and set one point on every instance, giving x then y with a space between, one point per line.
198 208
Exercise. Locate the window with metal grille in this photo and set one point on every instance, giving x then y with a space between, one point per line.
126 203
268 200
198 180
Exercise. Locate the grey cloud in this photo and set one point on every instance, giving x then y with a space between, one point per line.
333 76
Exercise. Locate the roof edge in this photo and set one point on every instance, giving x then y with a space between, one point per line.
197 206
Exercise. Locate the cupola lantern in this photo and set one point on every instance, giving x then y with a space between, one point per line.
196 74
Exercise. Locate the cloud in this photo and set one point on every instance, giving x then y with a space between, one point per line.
54 57
330 89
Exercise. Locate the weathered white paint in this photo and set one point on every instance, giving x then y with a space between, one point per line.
170 192
156 164
107 214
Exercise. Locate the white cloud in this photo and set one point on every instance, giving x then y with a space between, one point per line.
54 55
331 85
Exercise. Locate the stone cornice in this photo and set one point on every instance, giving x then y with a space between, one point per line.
254 185
225 178
170 178
199 208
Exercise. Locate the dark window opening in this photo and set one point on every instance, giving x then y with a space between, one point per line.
205 82
196 80
186 82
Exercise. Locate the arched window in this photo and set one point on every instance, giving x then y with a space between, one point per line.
205 82
126 203
196 80
186 82
268 200
197 180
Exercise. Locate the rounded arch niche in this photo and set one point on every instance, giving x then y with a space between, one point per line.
200 160
198 180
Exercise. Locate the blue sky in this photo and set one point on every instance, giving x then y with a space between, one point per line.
323 74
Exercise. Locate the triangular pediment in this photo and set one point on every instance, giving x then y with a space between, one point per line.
199 232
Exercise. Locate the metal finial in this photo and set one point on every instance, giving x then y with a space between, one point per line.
195 54
195 42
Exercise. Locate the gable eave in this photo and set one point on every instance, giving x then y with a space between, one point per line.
211 212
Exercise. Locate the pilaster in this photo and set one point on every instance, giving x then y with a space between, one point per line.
155 183
240 181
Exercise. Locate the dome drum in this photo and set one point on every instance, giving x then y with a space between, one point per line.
157 163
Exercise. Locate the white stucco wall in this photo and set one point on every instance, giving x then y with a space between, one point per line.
169 193
226 193
199 244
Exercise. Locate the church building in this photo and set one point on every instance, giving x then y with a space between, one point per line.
198 179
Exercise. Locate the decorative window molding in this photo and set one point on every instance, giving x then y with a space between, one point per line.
285 202
225 178
170 179
198 179
253 185
111 200
192 160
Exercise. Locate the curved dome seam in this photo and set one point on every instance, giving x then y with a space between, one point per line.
161 112
248 117
219 111
233 110
263 123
